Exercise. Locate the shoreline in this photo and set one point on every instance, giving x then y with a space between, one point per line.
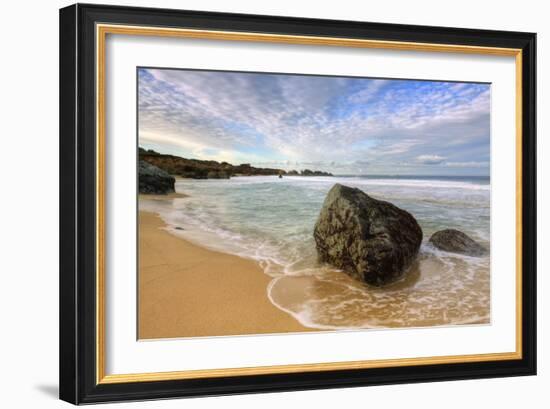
443 289
188 291
172 195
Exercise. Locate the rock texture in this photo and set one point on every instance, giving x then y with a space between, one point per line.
457 242
153 180
217 175
369 239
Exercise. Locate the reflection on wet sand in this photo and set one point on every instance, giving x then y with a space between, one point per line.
434 292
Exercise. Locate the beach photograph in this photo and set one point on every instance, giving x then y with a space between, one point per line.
276 203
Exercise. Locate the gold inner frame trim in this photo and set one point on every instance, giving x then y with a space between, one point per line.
101 33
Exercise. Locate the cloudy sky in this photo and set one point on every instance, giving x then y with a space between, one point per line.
341 125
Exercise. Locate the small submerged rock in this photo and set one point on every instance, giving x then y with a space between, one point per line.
455 241
369 239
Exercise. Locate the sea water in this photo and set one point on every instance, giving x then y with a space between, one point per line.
271 220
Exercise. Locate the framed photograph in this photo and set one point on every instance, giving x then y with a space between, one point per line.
257 203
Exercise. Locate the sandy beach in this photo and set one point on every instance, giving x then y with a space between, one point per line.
188 291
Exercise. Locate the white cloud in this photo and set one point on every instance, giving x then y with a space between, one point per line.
430 159
369 92
483 164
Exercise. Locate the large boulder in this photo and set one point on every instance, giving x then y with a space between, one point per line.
457 242
154 180
369 239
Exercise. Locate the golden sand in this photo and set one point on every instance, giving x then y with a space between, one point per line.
188 291
173 195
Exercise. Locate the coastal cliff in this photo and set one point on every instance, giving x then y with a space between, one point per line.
210 169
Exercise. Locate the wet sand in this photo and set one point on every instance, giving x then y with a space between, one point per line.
336 301
188 291
173 195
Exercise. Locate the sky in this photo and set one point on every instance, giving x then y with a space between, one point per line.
343 125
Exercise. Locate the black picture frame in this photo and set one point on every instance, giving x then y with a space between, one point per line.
78 360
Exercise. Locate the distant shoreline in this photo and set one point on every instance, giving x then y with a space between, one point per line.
211 169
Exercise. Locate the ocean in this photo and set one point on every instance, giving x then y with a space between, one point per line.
271 220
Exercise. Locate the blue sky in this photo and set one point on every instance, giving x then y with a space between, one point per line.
336 124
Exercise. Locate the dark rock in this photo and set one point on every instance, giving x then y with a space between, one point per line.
195 174
153 180
217 175
308 172
369 239
457 242
179 228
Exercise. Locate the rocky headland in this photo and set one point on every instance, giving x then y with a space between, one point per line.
210 169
